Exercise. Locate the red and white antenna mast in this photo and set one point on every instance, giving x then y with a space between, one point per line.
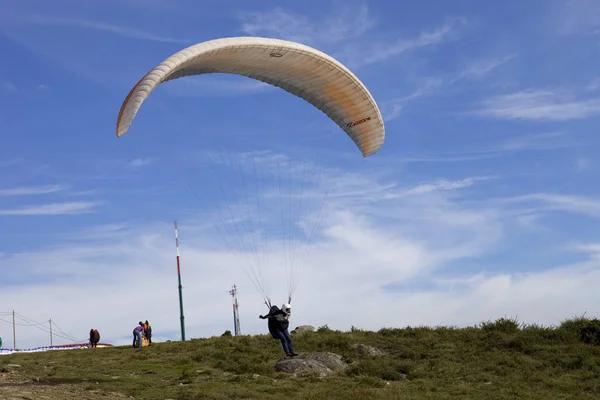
236 312
181 317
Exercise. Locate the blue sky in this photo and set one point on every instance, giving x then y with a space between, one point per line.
483 201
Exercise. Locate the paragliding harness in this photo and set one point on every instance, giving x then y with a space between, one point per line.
276 324
273 323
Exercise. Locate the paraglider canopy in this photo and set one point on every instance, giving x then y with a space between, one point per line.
296 68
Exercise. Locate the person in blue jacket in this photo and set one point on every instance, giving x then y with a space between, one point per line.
278 327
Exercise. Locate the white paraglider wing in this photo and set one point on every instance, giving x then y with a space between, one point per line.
298 69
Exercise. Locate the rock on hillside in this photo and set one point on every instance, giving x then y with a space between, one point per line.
368 350
321 363
303 328
299 366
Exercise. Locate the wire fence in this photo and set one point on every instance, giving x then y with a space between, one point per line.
50 327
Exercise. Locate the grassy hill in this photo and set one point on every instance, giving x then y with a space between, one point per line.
495 360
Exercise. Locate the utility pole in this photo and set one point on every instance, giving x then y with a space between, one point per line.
50 321
181 317
14 332
236 311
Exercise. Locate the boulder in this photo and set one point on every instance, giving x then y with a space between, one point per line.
303 328
300 366
322 363
330 360
368 350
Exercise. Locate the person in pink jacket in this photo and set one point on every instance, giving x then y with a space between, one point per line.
138 331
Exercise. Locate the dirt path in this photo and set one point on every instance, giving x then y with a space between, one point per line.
14 387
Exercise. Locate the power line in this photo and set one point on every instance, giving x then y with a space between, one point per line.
49 326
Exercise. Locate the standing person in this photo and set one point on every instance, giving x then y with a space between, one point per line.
94 337
138 331
148 332
278 326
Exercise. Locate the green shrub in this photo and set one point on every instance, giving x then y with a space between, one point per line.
504 325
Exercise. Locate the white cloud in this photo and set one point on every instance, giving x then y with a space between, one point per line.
479 68
83 192
496 148
376 51
10 163
557 202
31 190
441 184
345 28
540 105
80 207
10 88
347 23
392 109
141 162
575 17
539 141
122 31
594 85
583 164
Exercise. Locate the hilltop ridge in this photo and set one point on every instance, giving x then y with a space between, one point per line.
494 360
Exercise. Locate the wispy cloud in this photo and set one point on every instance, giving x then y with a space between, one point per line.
454 157
540 141
10 163
593 248
442 184
83 192
480 68
532 142
575 17
141 162
53 209
540 105
392 109
10 88
347 23
122 31
30 190
557 202
345 28
583 164
379 51
594 85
